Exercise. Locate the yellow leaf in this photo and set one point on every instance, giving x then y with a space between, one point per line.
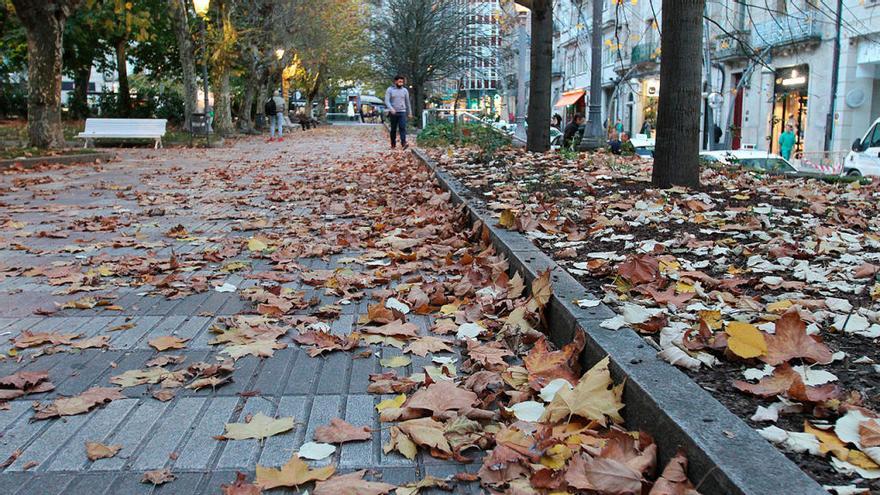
507 219
712 318
594 398
449 309
402 443
556 456
395 362
684 287
779 306
745 340
257 245
294 473
829 442
391 403
669 266
261 426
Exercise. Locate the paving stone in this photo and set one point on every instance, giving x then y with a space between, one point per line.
130 484
91 484
170 432
335 373
42 483
241 453
302 376
361 369
197 452
278 449
359 411
41 447
271 378
72 456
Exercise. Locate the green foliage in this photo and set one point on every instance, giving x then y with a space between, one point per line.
441 134
13 99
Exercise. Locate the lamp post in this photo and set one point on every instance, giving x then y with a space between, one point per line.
201 7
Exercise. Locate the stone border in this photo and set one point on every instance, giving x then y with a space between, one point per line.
725 455
63 159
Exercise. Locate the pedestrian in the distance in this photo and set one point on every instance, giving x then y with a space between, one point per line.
786 142
274 110
571 130
614 143
627 148
646 128
618 126
397 101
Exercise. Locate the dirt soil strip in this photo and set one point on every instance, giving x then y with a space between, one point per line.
726 455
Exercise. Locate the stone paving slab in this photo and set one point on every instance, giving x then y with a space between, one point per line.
178 434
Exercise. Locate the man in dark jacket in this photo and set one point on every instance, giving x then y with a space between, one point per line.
572 129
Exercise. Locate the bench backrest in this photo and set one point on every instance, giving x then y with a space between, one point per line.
148 127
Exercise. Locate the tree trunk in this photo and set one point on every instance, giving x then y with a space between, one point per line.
44 24
262 96
252 85
79 103
124 106
313 93
539 85
186 53
223 104
418 104
676 158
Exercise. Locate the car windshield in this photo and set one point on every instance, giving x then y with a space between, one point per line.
766 164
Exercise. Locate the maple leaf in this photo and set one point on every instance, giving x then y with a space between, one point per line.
351 484
258 348
785 380
260 426
292 474
594 397
603 475
869 433
400 442
95 450
490 356
240 487
545 365
745 340
791 341
424 345
97 342
158 476
24 379
426 482
339 431
674 480
133 378
640 269
427 432
326 341
168 342
29 339
396 328
440 397
78 404
541 291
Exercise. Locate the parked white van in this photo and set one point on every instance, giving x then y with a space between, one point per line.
864 159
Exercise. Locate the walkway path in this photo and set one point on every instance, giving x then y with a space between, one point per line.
156 232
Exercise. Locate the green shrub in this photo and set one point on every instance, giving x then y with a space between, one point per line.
441 134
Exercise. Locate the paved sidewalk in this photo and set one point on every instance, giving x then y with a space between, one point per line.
125 209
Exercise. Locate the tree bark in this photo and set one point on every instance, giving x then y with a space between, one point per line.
262 96
538 133
44 24
223 104
252 85
676 158
186 52
124 107
79 103
418 104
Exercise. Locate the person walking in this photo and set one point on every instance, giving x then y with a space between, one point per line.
397 102
274 110
786 142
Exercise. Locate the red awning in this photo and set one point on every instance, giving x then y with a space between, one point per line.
570 97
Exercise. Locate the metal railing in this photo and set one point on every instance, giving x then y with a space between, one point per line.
822 162
785 30
648 51
728 46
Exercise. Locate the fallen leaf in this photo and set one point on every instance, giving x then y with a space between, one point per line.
258 348
791 341
603 475
351 484
292 474
395 362
400 442
869 432
78 404
391 403
158 477
424 483
97 342
339 431
674 480
240 487
745 340
428 344
260 426
442 396
594 397
168 342
95 450
316 451
427 432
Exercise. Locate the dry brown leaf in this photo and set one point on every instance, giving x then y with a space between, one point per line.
97 342
603 475
168 342
441 396
400 442
158 476
78 404
425 345
869 433
29 339
241 487
351 484
791 341
95 450
339 431
427 432
594 397
674 480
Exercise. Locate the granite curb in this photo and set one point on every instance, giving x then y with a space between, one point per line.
32 162
725 455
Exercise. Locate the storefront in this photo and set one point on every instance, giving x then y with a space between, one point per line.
790 105
571 103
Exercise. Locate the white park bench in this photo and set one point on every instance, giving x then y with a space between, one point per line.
124 129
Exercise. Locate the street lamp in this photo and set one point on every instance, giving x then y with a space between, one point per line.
201 7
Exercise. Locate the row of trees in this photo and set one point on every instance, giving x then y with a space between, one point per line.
315 44
676 156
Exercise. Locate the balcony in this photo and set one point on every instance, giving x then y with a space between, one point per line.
785 31
648 51
557 71
729 46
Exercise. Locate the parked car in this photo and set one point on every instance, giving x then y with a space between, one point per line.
753 159
555 137
864 159
644 146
